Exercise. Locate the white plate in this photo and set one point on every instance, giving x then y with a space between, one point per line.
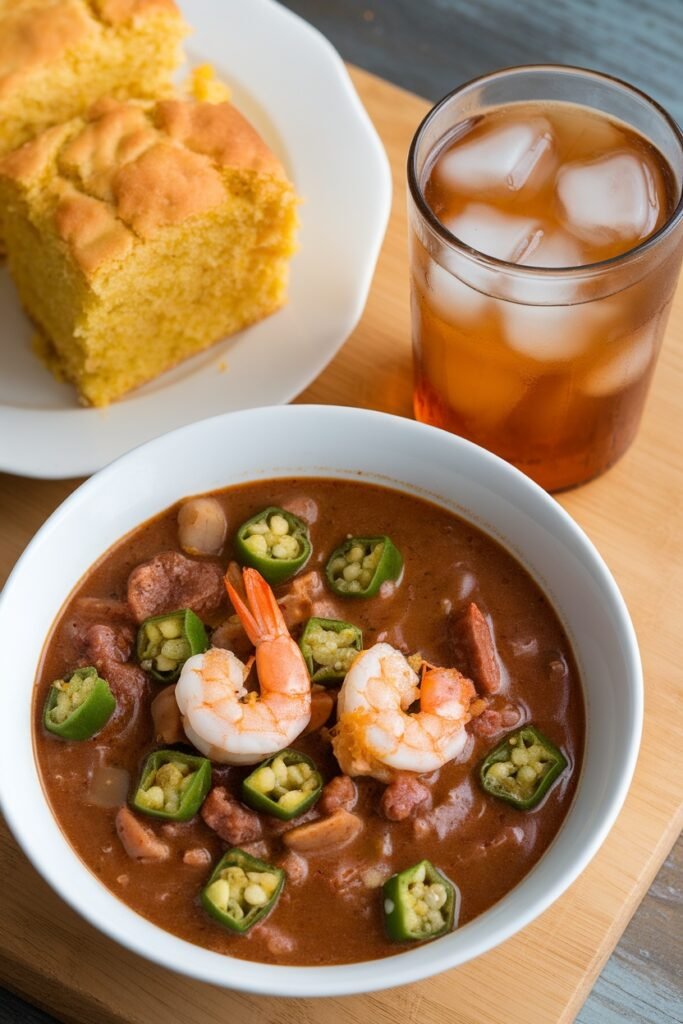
293 86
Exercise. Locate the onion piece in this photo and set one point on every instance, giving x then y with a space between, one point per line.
202 526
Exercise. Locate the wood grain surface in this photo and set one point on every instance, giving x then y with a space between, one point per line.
634 514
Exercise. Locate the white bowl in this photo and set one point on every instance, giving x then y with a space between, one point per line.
332 442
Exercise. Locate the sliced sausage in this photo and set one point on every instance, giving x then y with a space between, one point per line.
473 632
402 796
324 835
108 649
168 724
339 792
170 581
227 817
138 840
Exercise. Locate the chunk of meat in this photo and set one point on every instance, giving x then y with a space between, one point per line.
303 506
474 634
295 867
230 636
226 816
403 796
170 581
198 857
168 723
108 644
259 849
324 835
138 840
322 705
497 720
339 792
108 649
297 604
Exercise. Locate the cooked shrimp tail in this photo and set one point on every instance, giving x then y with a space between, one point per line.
377 735
220 717
260 614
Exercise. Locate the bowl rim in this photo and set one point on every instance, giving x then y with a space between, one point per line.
364 976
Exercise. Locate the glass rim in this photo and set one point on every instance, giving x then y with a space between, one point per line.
523 271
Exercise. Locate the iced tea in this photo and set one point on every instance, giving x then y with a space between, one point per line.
547 367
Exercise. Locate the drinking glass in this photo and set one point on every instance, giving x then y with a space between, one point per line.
548 368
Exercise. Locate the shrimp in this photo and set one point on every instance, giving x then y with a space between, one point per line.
376 736
220 717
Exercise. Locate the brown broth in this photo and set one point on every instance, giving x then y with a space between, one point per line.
486 847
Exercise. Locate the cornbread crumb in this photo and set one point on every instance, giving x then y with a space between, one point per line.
142 233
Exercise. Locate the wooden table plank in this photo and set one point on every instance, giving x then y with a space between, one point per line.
633 513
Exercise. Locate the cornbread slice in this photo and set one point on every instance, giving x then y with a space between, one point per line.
140 236
58 56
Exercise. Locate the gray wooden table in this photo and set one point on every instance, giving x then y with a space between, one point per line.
429 46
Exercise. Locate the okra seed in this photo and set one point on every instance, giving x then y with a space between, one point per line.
352 572
257 544
176 650
355 554
153 798
164 664
219 894
154 634
526 775
254 895
291 799
279 525
170 629
263 780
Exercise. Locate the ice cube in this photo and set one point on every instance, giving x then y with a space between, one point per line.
556 333
451 299
480 386
502 235
613 197
503 157
555 249
626 363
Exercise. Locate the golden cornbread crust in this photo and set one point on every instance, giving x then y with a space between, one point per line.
143 233
57 56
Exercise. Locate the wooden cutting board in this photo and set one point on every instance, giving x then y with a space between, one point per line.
633 514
